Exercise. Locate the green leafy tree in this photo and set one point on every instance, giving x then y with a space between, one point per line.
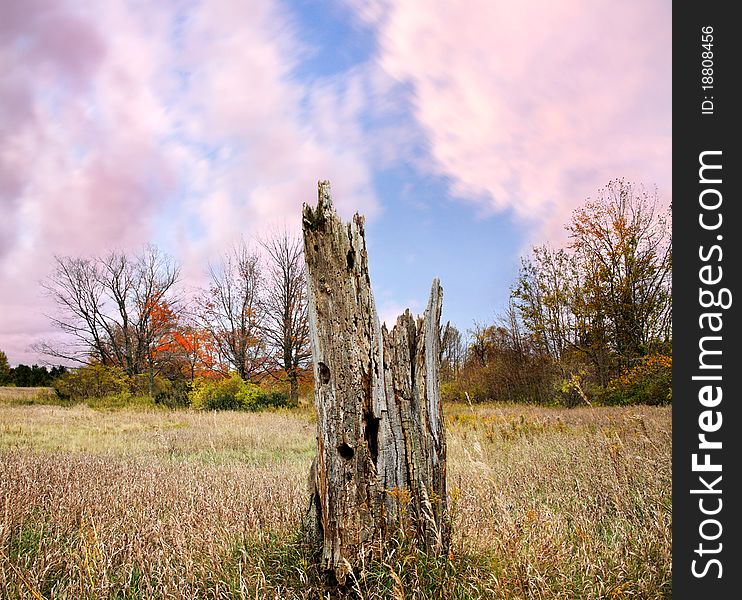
4 369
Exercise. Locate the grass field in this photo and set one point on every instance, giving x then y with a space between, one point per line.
548 503
29 395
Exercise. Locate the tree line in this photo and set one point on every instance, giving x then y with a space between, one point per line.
28 376
126 310
591 321
587 322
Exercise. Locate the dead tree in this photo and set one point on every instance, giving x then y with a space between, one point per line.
231 312
285 324
381 450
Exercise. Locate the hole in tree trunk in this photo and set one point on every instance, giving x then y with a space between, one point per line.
351 258
345 451
324 373
371 434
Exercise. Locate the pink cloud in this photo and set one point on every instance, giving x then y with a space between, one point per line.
184 123
532 106
102 145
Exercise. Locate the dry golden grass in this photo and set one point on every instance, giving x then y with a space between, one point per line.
569 503
240 437
548 503
29 395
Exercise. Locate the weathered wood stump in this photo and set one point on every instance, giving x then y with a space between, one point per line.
381 449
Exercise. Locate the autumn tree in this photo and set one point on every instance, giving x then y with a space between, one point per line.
107 307
606 297
192 345
170 356
503 363
156 314
623 246
285 324
545 294
232 313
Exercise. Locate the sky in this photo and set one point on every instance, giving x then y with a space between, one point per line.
465 132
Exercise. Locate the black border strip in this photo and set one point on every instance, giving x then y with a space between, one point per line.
694 133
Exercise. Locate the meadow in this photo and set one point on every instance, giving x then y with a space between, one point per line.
152 503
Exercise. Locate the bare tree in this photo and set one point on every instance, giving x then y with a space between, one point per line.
232 313
285 327
154 276
452 352
547 297
107 308
75 287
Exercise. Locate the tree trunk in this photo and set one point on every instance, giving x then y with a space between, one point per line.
381 452
151 375
293 378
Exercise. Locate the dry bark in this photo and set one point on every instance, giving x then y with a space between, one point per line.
381 450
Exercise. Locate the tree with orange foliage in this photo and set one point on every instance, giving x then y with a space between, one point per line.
194 346
108 308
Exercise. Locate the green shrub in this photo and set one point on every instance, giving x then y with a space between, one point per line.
173 394
451 392
457 391
139 384
218 395
92 381
232 393
256 398
649 382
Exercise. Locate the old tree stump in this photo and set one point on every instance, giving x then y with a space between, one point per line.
380 468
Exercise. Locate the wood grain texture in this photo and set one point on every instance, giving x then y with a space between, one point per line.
381 451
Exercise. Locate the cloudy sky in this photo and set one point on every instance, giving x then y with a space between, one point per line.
464 131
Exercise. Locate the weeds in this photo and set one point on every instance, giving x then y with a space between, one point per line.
546 503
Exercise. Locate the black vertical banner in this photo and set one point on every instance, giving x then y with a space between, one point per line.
707 427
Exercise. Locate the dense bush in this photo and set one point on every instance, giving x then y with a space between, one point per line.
452 391
505 378
232 393
218 395
173 394
257 398
92 381
115 388
649 382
